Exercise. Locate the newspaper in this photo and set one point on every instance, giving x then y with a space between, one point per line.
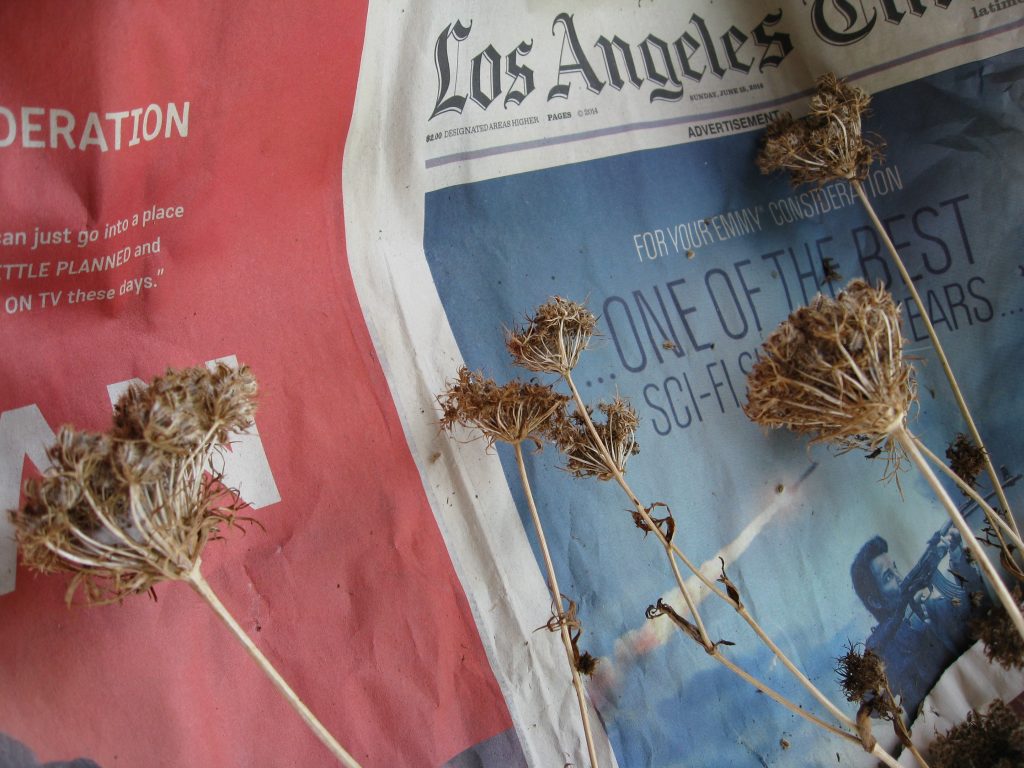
604 152
355 199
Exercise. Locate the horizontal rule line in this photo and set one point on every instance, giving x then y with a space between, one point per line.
521 146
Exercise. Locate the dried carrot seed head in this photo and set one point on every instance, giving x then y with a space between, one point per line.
511 413
617 432
178 411
835 370
553 338
827 143
125 510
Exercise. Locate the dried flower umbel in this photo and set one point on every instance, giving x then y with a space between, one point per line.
1002 643
828 142
601 449
994 739
616 434
133 507
128 509
553 338
862 676
835 370
510 413
965 458
514 413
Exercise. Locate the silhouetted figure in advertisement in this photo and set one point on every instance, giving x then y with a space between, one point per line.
922 617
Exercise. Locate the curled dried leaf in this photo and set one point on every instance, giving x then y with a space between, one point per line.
661 608
666 524
730 588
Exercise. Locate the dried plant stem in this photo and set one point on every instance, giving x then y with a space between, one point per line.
915 752
837 713
997 485
556 597
907 441
199 584
811 688
691 605
778 697
877 751
999 525
672 551
887 758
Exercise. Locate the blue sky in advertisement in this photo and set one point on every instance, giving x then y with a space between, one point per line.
691 257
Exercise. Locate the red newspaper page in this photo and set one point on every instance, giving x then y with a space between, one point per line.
170 195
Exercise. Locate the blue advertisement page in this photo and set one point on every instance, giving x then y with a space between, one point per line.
690 257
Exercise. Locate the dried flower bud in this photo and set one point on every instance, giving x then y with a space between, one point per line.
966 458
586 664
827 143
862 675
835 370
511 413
126 510
994 740
554 338
585 457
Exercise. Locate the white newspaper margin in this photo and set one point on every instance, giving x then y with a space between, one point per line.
491 553
973 682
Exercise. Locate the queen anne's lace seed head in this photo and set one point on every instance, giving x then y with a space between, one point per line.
553 338
127 509
178 411
826 144
510 413
863 679
835 370
617 432
991 738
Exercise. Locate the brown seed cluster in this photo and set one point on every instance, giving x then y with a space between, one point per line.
828 142
1003 643
127 509
835 370
862 676
993 740
584 457
966 458
511 413
553 338
185 408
